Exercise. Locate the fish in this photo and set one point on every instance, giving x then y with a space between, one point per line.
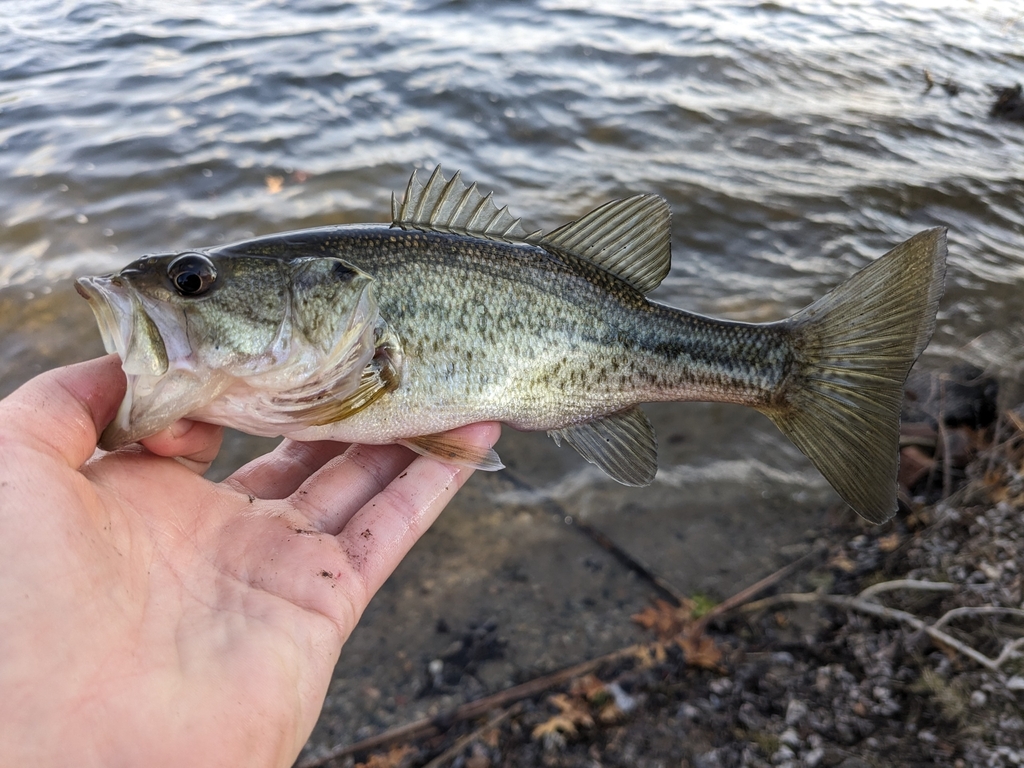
455 312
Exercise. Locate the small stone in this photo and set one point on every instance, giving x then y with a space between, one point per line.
978 699
783 755
688 712
1015 683
790 738
749 717
720 686
796 711
623 700
813 758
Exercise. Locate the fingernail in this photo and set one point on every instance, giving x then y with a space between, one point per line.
181 428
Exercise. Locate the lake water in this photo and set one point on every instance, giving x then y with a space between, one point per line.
793 140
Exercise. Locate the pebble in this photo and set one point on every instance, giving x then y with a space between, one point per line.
790 738
721 686
1015 683
783 755
623 700
688 712
796 711
813 758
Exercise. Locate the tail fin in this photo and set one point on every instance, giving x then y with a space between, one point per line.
854 348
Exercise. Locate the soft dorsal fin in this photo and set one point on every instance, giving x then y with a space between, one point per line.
631 238
622 444
448 205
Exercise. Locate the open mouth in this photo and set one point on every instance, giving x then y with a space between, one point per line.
124 324
112 310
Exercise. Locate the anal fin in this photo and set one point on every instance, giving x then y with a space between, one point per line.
452 449
622 444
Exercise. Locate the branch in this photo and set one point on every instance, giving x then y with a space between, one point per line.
981 610
888 586
462 743
863 605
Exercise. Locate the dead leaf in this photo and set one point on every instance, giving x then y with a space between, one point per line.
889 543
700 651
394 758
590 688
274 184
573 714
575 710
557 724
610 713
649 655
665 619
842 562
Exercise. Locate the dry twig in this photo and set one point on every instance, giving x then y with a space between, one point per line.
862 604
465 741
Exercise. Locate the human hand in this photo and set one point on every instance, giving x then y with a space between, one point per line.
151 617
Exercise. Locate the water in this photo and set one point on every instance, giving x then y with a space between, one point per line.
792 140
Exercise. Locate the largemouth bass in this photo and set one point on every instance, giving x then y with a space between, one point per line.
455 313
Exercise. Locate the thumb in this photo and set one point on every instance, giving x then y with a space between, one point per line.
64 410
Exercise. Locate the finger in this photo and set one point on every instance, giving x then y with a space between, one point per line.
64 410
279 473
193 443
332 495
383 531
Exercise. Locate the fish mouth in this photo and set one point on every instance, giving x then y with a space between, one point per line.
129 331
112 310
125 325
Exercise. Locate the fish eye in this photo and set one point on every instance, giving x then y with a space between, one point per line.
192 274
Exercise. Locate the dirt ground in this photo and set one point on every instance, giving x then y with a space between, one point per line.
900 644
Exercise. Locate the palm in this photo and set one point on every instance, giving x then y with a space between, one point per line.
171 605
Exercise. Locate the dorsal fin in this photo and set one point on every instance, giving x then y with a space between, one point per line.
631 238
448 205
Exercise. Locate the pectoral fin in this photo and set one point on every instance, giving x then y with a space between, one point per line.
378 378
623 445
316 405
452 449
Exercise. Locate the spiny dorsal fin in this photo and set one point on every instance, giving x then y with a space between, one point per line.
448 205
631 238
622 444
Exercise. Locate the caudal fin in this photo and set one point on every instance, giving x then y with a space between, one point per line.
854 349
